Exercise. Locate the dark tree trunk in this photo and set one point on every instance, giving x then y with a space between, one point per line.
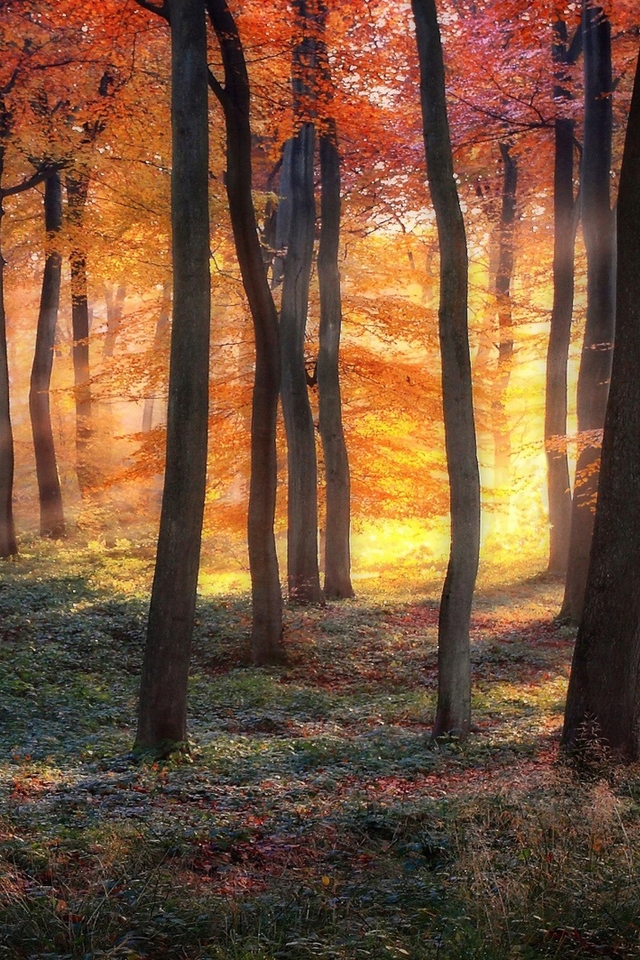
162 723
337 553
266 635
115 306
283 216
77 184
303 575
565 223
8 543
599 235
603 701
504 274
454 668
51 512
160 335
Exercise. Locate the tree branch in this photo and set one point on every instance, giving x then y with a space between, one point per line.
162 11
33 180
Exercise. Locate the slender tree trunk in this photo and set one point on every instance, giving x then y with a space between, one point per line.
599 235
565 223
603 702
454 668
283 216
77 184
504 274
337 553
115 306
161 332
335 545
162 714
8 542
51 512
302 507
266 634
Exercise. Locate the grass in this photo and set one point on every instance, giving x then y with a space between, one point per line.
314 818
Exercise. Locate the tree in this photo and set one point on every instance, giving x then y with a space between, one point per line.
77 184
163 687
51 512
302 506
337 568
565 222
603 700
504 276
234 97
598 224
454 668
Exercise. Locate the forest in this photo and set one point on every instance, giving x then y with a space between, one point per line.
319 477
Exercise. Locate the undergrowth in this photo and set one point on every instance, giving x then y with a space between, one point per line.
313 817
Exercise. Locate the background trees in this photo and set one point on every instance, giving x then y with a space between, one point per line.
514 108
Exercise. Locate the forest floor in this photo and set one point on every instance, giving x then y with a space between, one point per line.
314 817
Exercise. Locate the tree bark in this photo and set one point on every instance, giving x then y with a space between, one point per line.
599 235
77 183
163 326
283 216
302 506
337 551
504 274
453 714
50 495
565 224
162 723
8 542
266 633
115 306
603 702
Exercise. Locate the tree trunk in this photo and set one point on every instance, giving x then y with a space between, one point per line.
163 325
565 223
115 306
599 236
8 543
266 634
283 216
603 702
303 575
504 274
77 184
337 552
51 512
453 714
163 691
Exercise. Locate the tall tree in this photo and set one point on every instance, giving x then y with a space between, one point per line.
234 96
504 276
565 222
337 565
598 226
303 575
163 688
454 667
8 542
51 511
603 701
77 183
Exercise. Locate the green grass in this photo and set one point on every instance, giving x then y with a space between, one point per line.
314 817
